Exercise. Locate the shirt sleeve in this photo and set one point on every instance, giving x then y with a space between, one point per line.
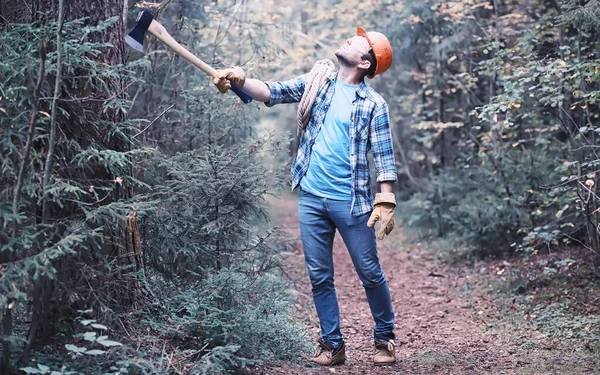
382 146
286 91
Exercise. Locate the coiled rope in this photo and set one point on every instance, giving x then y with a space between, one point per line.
316 77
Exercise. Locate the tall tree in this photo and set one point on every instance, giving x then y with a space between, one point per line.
84 150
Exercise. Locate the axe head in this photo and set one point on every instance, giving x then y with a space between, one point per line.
135 38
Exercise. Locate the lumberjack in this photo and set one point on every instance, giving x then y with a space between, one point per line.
343 120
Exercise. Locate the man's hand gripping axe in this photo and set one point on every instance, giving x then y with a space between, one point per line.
145 22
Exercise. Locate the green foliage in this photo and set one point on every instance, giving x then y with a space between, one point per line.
503 130
467 205
488 211
33 248
159 217
558 322
238 316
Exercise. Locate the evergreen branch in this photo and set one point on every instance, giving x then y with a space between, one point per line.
592 15
153 121
87 204
8 25
556 6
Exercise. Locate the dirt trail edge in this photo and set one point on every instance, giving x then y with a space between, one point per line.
444 323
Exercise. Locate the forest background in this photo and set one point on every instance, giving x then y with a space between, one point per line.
134 230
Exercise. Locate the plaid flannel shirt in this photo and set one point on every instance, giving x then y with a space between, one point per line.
369 130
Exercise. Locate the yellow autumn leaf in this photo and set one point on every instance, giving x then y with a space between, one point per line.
414 19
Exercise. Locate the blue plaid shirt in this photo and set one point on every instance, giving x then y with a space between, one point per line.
369 130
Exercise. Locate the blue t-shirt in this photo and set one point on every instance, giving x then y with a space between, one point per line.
329 174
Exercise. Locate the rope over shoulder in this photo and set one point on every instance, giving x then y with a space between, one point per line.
316 77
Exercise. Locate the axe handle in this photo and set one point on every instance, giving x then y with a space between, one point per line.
161 33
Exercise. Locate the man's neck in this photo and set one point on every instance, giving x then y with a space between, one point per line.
350 76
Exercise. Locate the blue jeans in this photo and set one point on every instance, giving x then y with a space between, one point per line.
319 218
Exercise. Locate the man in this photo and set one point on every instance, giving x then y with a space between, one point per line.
348 119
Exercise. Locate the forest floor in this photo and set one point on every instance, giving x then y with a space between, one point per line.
466 318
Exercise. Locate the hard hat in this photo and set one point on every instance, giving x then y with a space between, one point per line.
382 49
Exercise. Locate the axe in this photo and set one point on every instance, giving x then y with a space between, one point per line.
145 22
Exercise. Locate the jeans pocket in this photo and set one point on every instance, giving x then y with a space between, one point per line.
359 221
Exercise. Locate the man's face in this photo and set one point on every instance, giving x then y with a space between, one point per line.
350 53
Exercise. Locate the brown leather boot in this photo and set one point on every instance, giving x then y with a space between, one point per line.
385 353
325 355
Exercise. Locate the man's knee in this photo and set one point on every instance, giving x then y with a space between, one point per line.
372 278
320 278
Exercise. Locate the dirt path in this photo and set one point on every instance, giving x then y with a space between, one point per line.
444 326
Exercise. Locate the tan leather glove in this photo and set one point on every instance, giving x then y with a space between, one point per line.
234 74
384 210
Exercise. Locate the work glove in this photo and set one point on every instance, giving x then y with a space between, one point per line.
384 212
234 74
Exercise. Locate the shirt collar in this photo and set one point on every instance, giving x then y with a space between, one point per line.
362 87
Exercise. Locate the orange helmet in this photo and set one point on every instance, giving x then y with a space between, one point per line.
382 49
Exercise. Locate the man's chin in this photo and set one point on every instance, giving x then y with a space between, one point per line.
341 59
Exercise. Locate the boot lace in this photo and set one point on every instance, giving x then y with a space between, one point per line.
387 347
323 349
